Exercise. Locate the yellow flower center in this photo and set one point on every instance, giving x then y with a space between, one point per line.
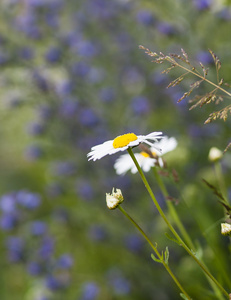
145 154
123 140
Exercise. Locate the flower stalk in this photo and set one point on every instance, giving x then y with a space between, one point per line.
173 211
160 256
176 235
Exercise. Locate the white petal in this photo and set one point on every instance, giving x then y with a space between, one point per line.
166 145
123 164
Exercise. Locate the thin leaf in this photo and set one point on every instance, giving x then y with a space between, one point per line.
183 296
214 189
156 259
166 255
172 239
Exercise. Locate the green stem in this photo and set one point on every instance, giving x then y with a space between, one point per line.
173 211
180 241
221 180
156 251
180 226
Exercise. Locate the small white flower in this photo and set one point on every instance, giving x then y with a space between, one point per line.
125 163
121 143
114 199
225 228
215 154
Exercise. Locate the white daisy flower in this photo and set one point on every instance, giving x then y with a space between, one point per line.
146 160
121 143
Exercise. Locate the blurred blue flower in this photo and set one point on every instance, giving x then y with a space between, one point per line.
38 227
97 232
44 111
28 200
53 55
64 88
9 221
145 17
26 53
34 268
54 189
107 94
140 105
8 203
134 243
86 48
63 168
95 75
202 4
80 69
33 152
84 190
87 117
64 262
204 57
68 108
119 284
16 247
102 9
27 23
46 248
40 81
55 283
224 14
36 129
61 215
36 3
166 28
90 291
4 57
52 19
158 78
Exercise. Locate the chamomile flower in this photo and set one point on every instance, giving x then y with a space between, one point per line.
146 159
121 143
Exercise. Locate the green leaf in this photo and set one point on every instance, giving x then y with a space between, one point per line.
172 238
157 259
166 255
183 296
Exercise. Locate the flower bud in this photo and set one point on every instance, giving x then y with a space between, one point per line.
114 199
215 154
226 229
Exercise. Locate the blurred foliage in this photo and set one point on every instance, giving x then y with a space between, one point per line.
73 76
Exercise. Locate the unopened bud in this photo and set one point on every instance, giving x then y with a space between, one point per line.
225 228
114 199
215 154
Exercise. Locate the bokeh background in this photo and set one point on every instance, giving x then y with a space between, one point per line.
72 76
